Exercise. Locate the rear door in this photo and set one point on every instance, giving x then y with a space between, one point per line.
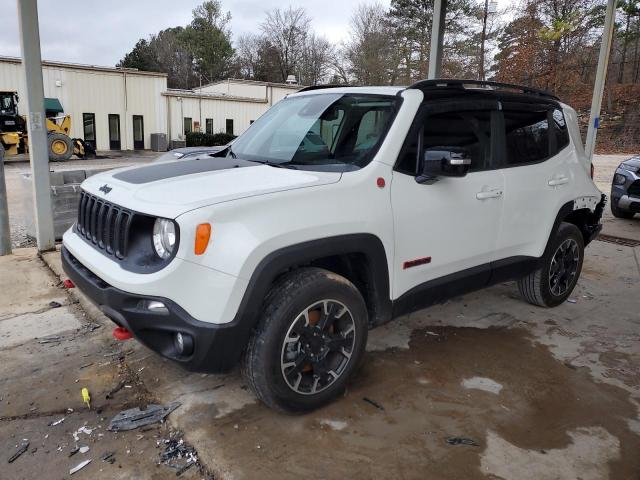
450 226
537 165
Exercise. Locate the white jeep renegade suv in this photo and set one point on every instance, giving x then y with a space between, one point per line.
336 211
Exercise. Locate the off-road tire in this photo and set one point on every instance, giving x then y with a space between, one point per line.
55 139
535 287
620 213
261 362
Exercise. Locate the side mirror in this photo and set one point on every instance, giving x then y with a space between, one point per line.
443 163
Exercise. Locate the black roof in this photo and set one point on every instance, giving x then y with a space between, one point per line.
446 83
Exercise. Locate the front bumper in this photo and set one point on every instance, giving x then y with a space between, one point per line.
629 203
216 347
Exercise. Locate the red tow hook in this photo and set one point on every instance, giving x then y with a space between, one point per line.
120 333
68 283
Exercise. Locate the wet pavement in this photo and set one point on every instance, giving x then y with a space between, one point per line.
484 386
551 392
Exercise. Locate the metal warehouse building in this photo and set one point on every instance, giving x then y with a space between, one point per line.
119 109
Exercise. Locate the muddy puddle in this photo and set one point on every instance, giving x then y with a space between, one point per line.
525 410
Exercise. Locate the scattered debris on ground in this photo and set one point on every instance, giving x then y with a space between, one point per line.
373 402
79 467
114 390
86 398
54 304
177 454
24 445
136 417
462 441
109 457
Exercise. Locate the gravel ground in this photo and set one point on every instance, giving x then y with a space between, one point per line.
20 209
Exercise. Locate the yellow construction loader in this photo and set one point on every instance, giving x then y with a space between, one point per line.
14 135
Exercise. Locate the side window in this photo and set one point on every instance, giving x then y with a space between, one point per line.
467 132
560 127
526 136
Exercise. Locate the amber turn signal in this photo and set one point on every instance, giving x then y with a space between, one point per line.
203 233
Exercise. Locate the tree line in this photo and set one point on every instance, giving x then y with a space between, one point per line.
550 44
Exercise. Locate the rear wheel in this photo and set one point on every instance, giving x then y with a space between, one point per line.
620 213
60 147
552 283
308 343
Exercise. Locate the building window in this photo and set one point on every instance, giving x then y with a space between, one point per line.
229 126
89 122
188 125
209 125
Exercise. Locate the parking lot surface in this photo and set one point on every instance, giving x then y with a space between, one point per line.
485 386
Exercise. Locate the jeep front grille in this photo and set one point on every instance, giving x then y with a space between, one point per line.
104 224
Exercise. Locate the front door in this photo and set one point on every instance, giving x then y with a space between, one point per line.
114 131
450 226
138 132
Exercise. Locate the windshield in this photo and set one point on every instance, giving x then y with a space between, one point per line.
6 103
332 131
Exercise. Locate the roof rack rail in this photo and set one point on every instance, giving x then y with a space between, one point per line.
457 83
320 87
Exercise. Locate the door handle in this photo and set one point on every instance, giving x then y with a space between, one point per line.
560 180
485 194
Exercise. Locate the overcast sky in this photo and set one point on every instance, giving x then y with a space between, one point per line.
102 32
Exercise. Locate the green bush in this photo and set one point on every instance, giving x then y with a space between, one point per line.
200 139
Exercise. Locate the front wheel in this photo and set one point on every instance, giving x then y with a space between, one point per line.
311 338
556 277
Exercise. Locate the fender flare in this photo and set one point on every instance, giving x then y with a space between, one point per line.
278 261
593 226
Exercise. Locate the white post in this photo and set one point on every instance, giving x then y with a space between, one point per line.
601 76
437 38
37 124
5 234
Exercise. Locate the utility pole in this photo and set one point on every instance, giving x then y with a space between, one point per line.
437 39
483 39
601 76
5 234
38 142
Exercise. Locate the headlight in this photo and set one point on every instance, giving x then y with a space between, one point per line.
164 237
619 179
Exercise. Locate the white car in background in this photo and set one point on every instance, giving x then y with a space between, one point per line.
187 152
339 210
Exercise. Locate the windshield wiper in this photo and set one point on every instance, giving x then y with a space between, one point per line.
276 165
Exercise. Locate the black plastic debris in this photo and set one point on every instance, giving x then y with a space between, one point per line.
55 304
177 454
24 445
462 441
109 457
136 418
115 390
373 402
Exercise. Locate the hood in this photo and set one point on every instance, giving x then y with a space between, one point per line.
633 161
173 188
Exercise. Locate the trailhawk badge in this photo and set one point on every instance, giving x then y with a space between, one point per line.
105 188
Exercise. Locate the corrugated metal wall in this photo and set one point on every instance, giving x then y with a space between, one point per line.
101 93
219 110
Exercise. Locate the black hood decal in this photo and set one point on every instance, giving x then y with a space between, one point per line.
162 171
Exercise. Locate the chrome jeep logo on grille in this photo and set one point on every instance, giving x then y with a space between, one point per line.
105 188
